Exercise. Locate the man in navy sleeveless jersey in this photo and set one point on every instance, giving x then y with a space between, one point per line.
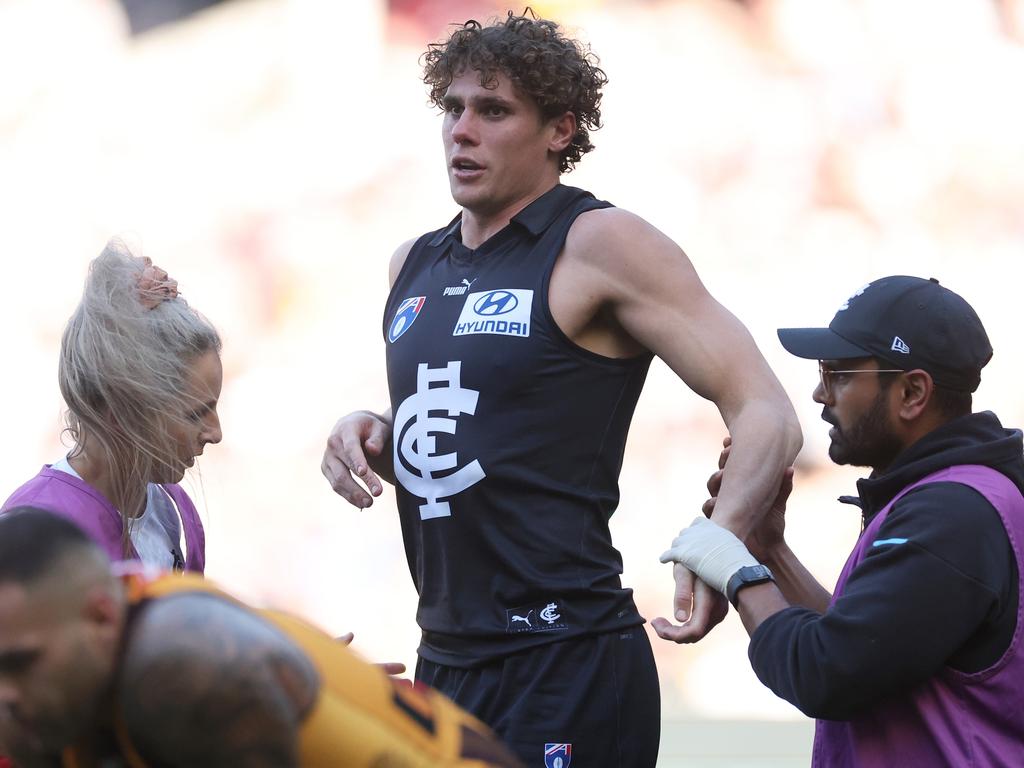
518 339
916 659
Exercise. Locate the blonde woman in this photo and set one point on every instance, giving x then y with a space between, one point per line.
140 372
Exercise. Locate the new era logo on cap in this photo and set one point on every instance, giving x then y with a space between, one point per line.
950 342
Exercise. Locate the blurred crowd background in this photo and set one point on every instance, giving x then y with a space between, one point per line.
271 154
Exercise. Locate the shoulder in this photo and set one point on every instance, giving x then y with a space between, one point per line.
74 500
41 488
955 523
944 506
610 228
398 259
197 663
628 254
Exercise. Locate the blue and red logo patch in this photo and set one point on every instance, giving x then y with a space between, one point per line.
557 755
406 315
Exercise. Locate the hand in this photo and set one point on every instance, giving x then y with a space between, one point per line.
698 608
769 534
354 438
389 667
712 552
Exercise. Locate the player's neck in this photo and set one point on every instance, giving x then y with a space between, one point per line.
480 224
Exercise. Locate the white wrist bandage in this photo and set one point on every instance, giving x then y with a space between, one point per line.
710 551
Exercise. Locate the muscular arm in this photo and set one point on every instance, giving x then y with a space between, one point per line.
206 683
649 296
622 287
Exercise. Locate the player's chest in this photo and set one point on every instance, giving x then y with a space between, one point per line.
466 304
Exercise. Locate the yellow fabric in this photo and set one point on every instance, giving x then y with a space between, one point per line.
361 718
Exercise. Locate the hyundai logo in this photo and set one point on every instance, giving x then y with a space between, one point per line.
495 303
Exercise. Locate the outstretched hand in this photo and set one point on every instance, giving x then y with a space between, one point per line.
356 440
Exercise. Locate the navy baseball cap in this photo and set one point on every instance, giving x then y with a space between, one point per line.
908 322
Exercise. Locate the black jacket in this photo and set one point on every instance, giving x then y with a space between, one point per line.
947 597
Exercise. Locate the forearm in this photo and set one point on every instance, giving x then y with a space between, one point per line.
757 603
795 582
765 440
794 585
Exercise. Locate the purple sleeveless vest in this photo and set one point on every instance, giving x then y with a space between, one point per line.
953 719
76 500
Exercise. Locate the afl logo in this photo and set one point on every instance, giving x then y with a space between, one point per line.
406 315
495 303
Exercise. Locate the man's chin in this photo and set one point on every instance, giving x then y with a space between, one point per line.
841 455
837 454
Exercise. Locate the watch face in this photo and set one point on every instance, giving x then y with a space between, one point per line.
759 572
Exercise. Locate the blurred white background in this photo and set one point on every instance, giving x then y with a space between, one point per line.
271 154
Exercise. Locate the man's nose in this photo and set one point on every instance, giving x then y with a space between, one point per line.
819 395
464 130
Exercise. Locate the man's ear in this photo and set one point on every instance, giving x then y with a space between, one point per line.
915 392
564 131
102 609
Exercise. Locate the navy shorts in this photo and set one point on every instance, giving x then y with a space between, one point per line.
590 702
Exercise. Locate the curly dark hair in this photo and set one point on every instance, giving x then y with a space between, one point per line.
560 74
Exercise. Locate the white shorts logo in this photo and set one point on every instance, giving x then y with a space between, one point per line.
502 312
415 446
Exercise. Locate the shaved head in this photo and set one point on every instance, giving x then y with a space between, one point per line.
61 615
38 546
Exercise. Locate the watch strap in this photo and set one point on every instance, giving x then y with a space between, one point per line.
747 576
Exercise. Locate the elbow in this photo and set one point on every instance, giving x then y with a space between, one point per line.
829 707
787 426
794 436
832 710
832 696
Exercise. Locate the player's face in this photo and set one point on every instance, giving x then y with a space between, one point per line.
54 660
199 425
857 405
500 153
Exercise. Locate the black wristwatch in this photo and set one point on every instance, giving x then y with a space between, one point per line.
747 576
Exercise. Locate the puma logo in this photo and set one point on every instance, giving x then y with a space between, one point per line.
525 619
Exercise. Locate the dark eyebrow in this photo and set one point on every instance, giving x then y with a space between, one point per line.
17 659
483 102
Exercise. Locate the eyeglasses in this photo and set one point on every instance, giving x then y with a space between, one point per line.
826 374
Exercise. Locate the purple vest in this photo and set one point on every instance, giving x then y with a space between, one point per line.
955 718
90 510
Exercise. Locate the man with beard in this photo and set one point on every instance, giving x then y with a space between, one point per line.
916 658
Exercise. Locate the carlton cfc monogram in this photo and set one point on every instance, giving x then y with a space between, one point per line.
415 442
